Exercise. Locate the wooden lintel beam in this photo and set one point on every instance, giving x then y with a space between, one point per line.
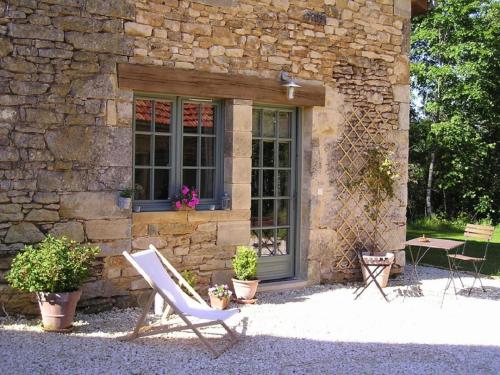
159 79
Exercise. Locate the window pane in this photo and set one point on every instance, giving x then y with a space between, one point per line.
282 242
190 117
208 119
207 152
207 184
284 154
284 183
142 149
267 213
189 178
255 213
284 129
189 152
142 184
161 183
268 154
143 115
269 124
268 183
163 115
162 151
255 183
256 123
267 242
254 240
283 215
255 153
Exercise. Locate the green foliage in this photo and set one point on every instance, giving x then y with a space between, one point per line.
55 265
245 263
190 277
377 177
127 193
456 108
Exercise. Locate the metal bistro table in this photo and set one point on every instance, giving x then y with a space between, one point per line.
424 247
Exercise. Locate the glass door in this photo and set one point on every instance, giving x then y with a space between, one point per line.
273 191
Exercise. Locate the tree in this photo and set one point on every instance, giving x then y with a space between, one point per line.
455 126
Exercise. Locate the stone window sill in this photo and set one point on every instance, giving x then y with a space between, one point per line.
190 216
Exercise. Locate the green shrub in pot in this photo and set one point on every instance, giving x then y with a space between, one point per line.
55 269
245 270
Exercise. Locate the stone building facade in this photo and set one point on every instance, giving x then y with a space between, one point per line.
67 128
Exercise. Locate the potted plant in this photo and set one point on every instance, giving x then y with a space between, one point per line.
245 273
54 269
125 199
186 199
377 179
219 296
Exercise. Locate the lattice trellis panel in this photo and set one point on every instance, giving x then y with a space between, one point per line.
362 130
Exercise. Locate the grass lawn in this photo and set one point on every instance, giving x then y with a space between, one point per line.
437 258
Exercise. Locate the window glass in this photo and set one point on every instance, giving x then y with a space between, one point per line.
143 115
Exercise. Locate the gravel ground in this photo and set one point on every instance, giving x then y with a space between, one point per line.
314 330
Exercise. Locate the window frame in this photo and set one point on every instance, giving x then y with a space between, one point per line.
176 146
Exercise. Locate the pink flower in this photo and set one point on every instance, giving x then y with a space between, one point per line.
196 200
178 204
184 201
191 204
185 190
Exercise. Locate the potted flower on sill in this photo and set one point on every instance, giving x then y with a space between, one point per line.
377 179
186 199
54 269
125 199
219 296
245 280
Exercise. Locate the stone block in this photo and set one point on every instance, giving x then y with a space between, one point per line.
9 154
142 243
91 205
101 42
102 86
238 144
42 215
207 227
28 88
196 29
112 248
401 93
402 8
46 198
237 170
138 29
24 233
176 228
404 116
233 233
240 196
108 229
74 23
116 8
10 212
49 181
6 47
43 116
160 217
72 230
29 31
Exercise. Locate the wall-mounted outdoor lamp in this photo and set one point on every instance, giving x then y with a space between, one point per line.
289 83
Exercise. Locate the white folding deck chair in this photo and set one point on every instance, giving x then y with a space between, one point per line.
151 265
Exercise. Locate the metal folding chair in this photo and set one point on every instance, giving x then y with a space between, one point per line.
455 261
374 267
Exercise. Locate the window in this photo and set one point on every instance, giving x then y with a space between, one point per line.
177 142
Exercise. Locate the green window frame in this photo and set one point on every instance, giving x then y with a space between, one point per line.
177 141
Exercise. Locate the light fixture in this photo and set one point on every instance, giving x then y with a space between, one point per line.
289 83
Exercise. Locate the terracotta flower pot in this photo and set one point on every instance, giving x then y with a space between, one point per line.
219 303
58 309
245 289
375 259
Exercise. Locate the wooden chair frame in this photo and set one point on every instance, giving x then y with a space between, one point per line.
143 330
472 232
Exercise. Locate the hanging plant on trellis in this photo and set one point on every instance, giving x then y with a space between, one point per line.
377 178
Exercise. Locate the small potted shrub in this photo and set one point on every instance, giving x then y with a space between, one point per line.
55 269
186 199
219 296
245 273
125 199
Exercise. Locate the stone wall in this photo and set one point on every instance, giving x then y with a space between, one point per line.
65 126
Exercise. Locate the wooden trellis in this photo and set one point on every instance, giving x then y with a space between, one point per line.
362 130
